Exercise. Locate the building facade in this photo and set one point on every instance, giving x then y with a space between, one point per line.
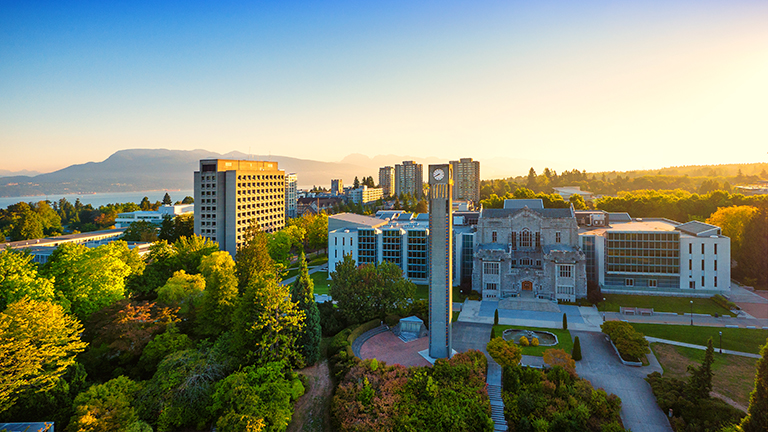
657 256
466 175
233 195
291 195
123 220
365 195
387 180
337 187
527 250
409 179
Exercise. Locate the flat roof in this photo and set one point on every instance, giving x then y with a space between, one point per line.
357 219
48 241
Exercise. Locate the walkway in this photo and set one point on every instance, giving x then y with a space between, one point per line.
601 366
545 314
493 378
358 343
700 347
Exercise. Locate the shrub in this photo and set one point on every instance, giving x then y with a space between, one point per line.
496 317
505 353
332 320
339 342
630 343
535 342
370 325
523 341
565 322
576 353
493 332
391 320
724 302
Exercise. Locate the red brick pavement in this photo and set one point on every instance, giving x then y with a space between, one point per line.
390 349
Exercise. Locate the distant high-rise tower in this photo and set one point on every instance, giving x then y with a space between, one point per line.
387 180
440 262
466 174
231 195
337 187
291 191
409 179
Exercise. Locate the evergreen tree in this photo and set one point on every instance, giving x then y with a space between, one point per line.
167 199
356 183
565 322
496 317
303 295
576 353
757 413
700 381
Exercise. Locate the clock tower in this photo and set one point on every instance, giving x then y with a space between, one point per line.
440 260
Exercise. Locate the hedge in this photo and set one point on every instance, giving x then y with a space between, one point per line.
370 325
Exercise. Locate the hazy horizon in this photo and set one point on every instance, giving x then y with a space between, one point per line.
599 86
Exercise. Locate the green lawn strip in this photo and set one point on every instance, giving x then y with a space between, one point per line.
662 304
422 292
318 261
734 376
455 316
564 341
735 339
319 279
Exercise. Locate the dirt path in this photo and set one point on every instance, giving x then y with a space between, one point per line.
311 411
728 400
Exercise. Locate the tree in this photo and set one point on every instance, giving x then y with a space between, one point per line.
496 317
220 296
162 345
267 323
578 202
38 342
19 278
505 353
256 399
188 200
303 295
576 352
141 231
356 183
421 207
85 279
183 291
733 221
558 357
565 322
757 413
145 204
253 258
700 381
754 249
167 199
107 407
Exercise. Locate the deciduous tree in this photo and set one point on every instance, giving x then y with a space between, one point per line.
19 278
220 296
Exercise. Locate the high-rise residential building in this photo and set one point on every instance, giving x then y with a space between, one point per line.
409 179
291 190
466 174
337 187
387 180
232 195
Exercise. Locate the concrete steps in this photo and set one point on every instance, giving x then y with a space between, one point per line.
497 408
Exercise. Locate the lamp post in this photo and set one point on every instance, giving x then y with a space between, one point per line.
691 312
721 342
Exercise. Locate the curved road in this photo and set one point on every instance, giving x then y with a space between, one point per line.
601 366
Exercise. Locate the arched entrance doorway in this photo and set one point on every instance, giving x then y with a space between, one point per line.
527 286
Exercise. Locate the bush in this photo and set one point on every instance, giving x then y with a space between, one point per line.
523 341
339 342
535 342
505 353
576 352
332 320
724 302
370 325
493 332
391 320
630 342
474 295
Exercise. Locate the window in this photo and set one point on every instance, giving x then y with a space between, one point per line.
513 263
493 236
652 283
715 281
702 281
690 264
702 248
715 248
692 284
565 271
629 282
538 239
715 265
336 241
557 236
491 268
514 240
702 265
491 286
343 241
525 261
538 263
690 249
525 239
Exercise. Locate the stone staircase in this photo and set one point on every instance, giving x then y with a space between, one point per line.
497 408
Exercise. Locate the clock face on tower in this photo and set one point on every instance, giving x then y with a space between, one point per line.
438 174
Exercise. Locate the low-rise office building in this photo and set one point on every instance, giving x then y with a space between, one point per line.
365 195
123 220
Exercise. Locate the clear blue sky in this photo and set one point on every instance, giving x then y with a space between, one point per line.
591 85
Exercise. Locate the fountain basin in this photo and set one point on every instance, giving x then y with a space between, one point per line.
545 338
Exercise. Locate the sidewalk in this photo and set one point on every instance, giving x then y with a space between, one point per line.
311 270
579 318
700 347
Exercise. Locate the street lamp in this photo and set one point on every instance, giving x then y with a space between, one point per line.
721 342
691 312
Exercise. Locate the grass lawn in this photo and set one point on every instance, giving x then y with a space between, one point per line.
564 341
662 304
422 292
455 316
320 282
317 261
744 340
734 376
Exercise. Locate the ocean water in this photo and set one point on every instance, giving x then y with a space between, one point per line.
100 199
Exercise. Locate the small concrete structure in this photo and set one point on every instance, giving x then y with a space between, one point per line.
410 328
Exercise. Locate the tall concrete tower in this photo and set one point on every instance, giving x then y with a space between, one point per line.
440 265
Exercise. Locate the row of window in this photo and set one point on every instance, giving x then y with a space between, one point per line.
690 265
261 177
690 249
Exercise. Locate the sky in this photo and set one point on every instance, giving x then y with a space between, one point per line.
595 85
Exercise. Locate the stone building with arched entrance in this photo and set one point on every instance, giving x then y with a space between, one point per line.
526 250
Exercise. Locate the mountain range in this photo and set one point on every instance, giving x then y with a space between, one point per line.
161 169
